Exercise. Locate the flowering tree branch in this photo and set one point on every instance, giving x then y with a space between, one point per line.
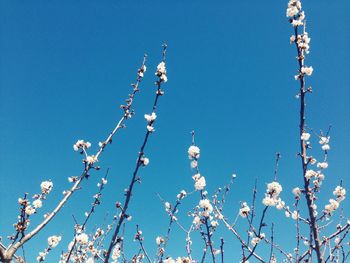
88 165
141 159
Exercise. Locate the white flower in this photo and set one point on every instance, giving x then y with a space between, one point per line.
200 183
310 173
183 260
145 161
337 240
269 201
274 189
305 136
116 252
150 118
22 201
295 215
307 70
214 223
322 165
161 67
296 191
326 147
29 210
81 144
82 238
104 181
292 39
292 11
324 140
91 159
181 195
255 241
206 205
193 152
244 211
150 128
332 206
194 164
280 204
196 220
159 240
164 78
53 241
37 203
46 187
339 192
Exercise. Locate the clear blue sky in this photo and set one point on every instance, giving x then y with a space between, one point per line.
65 67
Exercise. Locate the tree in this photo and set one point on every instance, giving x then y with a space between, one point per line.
318 237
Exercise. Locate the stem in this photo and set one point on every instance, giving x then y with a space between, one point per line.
134 175
303 149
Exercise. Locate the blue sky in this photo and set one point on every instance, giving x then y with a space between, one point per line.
66 66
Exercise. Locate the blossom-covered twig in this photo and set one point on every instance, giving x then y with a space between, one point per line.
52 243
141 159
88 165
96 202
297 19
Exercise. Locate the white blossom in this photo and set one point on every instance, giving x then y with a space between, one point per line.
159 240
53 241
310 173
337 240
82 238
145 161
116 253
206 205
81 144
29 210
295 215
339 192
193 152
46 187
200 183
322 165
150 117
332 206
324 140
244 211
91 159
37 203
326 147
255 241
296 191
161 72
305 136
307 70
214 223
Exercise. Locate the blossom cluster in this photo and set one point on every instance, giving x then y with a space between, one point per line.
271 196
52 243
81 145
339 192
150 118
244 210
161 72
